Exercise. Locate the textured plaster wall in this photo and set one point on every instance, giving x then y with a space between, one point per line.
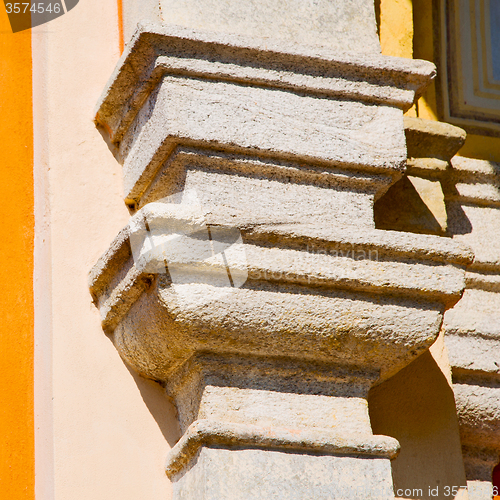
101 432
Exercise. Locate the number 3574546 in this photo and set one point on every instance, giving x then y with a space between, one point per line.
40 8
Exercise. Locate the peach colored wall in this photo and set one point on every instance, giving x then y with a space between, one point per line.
102 433
417 407
16 269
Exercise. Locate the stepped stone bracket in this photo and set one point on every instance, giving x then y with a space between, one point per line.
177 87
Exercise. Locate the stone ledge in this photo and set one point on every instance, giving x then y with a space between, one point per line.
274 374
154 183
116 282
479 412
206 433
479 463
388 80
474 181
271 392
394 244
473 348
259 122
416 203
482 276
388 243
476 315
432 139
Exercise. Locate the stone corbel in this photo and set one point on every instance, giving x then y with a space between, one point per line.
317 111
284 362
416 202
251 280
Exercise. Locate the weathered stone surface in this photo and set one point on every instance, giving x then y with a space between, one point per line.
250 280
472 337
176 87
339 297
479 411
479 462
272 392
250 402
216 473
473 197
475 319
343 26
233 408
430 139
191 111
264 191
155 51
322 441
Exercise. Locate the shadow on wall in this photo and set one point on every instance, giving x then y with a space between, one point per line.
162 410
402 209
417 407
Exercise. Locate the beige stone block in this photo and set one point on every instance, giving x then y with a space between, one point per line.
343 26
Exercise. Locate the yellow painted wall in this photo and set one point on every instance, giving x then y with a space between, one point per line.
395 19
16 267
424 37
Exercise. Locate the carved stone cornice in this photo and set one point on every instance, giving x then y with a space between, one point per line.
430 146
377 281
347 104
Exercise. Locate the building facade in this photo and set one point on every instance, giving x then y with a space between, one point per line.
252 251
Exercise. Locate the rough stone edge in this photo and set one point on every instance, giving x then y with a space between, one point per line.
235 160
478 426
103 271
479 461
483 277
467 166
467 333
283 369
207 432
394 244
136 68
474 181
402 245
114 297
426 167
